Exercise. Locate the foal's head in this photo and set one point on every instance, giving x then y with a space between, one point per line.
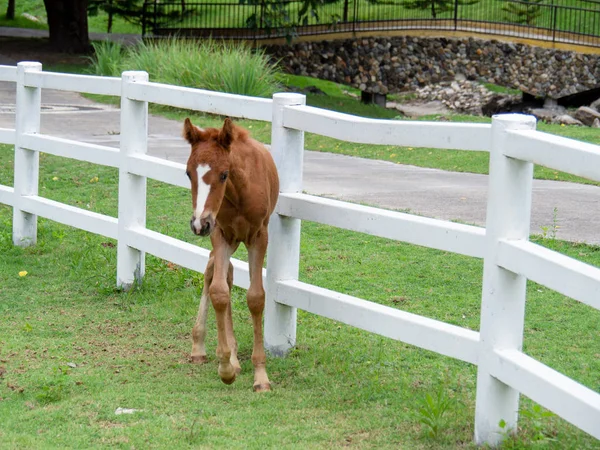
208 170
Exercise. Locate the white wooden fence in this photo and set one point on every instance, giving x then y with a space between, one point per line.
509 258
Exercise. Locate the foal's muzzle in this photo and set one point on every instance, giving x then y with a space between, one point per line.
202 226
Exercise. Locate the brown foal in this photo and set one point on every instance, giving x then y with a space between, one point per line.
234 191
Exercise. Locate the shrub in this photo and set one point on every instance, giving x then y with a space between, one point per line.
217 66
108 58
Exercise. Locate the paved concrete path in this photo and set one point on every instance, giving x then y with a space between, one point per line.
33 33
429 192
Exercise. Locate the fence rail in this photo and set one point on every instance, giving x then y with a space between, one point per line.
551 20
509 258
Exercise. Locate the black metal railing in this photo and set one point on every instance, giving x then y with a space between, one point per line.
567 21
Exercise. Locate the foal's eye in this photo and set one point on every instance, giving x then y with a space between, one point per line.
224 176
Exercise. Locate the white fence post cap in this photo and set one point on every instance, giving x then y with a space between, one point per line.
515 121
289 97
135 73
29 64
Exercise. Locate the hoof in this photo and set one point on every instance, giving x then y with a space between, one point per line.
238 369
199 359
228 380
262 387
226 373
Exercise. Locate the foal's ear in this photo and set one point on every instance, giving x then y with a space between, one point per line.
192 133
226 135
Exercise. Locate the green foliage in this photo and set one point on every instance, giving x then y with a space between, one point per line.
537 418
501 89
437 6
22 22
522 11
275 18
56 388
34 8
283 18
330 88
431 411
132 11
107 59
98 19
208 64
310 8
537 429
549 231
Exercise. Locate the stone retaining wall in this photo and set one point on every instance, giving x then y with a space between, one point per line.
383 65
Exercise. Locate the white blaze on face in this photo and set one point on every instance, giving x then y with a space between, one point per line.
201 195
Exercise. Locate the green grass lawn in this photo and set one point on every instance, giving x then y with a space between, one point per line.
219 14
33 7
97 23
73 349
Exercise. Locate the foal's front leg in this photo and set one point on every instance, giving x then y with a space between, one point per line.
220 297
199 331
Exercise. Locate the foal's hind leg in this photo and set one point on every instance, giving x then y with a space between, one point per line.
199 330
256 304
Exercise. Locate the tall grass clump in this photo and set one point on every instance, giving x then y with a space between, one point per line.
216 66
108 58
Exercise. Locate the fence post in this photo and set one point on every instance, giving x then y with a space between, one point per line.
554 18
503 294
144 18
455 15
283 255
27 162
262 15
132 188
354 18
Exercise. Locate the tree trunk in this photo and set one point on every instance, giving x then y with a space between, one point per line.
68 25
110 17
10 10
